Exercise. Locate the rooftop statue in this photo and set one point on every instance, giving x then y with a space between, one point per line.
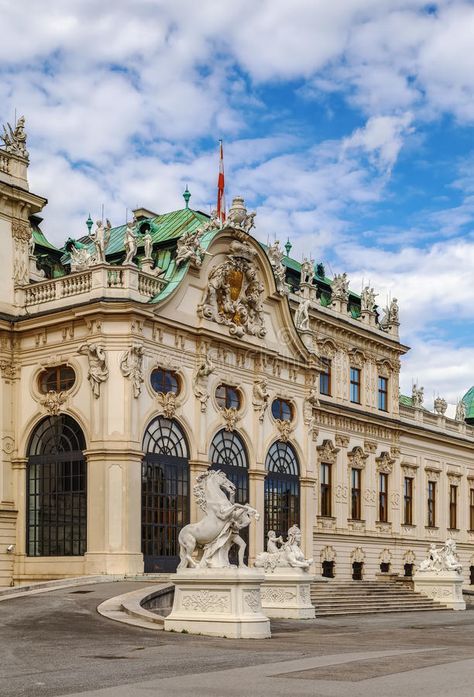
391 315
302 315
367 299
14 139
289 554
130 242
220 528
238 217
439 560
100 238
461 411
189 248
440 406
307 271
275 256
340 287
417 396
80 256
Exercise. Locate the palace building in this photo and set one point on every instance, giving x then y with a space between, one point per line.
138 356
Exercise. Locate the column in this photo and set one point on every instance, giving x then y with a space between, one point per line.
257 501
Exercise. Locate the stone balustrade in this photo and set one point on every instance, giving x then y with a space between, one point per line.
101 281
436 421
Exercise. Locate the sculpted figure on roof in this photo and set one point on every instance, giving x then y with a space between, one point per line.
307 271
340 287
189 248
367 299
302 315
460 411
100 238
14 139
417 396
275 256
130 242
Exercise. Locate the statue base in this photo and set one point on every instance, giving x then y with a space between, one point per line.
286 594
219 602
445 587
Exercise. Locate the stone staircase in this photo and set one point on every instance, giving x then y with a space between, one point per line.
361 597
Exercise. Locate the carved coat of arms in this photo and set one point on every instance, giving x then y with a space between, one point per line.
234 293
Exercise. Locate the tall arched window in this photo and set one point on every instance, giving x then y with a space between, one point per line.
282 488
165 493
228 453
56 489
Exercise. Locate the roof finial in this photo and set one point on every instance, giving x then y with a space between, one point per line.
186 196
89 223
288 247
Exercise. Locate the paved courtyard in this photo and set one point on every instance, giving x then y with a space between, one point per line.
56 643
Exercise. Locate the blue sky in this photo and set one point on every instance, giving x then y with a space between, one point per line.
347 125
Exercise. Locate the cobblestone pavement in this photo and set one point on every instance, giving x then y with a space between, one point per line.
56 643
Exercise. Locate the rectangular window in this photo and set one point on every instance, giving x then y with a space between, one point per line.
453 503
471 509
383 497
325 377
355 494
325 489
408 501
383 393
431 504
355 385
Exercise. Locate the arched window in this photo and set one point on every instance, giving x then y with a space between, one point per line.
56 489
165 493
228 453
282 488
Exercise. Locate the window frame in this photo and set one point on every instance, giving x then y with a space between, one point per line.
227 402
326 489
453 506
383 497
55 371
326 377
355 385
382 400
356 507
408 501
280 401
471 509
431 504
166 372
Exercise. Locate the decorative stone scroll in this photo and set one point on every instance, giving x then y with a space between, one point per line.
327 452
54 401
167 403
385 463
357 458
234 293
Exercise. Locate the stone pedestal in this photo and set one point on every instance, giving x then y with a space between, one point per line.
219 602
35 274
445 587
286 594
147 265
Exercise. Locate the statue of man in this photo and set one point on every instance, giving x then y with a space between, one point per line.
130 242
101 237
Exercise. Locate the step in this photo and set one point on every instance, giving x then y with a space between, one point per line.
375 611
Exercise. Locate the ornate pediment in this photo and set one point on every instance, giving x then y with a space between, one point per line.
385 463
234 293
327 451
357 458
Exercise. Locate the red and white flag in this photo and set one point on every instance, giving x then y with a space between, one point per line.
220 187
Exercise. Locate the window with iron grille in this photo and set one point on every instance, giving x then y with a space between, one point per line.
326 508
56 489
282 489
383 497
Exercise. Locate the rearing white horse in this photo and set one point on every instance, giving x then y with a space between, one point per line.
219 529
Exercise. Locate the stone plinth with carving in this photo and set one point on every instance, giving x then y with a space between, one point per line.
439 576
219 602
286 594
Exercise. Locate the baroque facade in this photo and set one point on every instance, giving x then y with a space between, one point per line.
135 358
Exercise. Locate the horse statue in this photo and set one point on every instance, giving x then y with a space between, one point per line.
219 530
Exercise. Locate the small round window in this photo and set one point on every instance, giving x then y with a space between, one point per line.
164 381
227 397
57 379
281 409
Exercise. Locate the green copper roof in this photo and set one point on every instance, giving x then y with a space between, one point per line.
41 240
468 400
406 401
164 228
